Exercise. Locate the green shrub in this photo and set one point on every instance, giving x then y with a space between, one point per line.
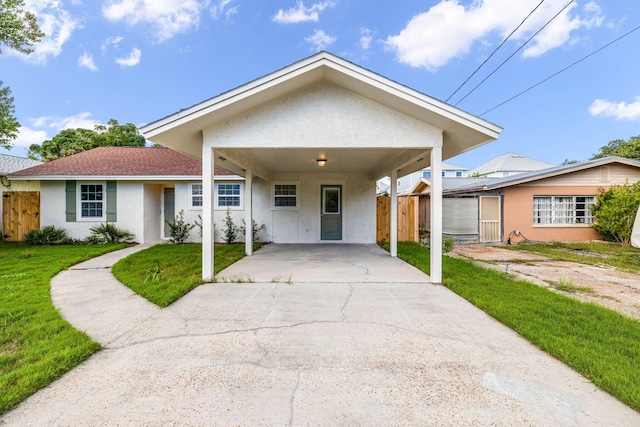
615 211
254 229
108 233
230 229
47 235
179 230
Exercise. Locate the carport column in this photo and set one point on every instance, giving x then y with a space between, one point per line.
207 212
436 216
393 223
248 215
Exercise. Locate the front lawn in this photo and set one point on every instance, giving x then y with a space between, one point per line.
36 344
164 273
600 344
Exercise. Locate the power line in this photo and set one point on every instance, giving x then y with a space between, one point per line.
495 50
561 71
514 53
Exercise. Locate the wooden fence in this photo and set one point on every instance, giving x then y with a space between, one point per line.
20 213
407 219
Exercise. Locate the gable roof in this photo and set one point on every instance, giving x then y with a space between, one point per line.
183 130
510 162
122 162
9 164
449 167
522 178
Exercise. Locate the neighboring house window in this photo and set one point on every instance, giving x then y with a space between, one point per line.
443 173
458 174
196 195
228 195
426 174
285 195
563 209
92 197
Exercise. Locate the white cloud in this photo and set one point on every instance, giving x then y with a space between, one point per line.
366 37
27 136
449 30
86 60
112 41
80 120
320 40
222 8
56 23
300 13
619 110
166 17
132 60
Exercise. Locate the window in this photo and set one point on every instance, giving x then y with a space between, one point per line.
563 210
285 195
228 195
196 195
91 201
426 174
458 174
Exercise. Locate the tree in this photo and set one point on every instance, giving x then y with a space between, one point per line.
18 30
8 123
615 211
72 141
619 147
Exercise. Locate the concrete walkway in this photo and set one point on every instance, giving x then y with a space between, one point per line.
337 352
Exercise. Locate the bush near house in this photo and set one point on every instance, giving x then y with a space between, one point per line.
615 211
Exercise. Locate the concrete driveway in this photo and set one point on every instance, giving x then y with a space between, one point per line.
317 349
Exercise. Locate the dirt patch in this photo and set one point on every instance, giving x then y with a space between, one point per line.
614 289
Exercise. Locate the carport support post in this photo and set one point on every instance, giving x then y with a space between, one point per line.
248 216
393 223
208 156
435 238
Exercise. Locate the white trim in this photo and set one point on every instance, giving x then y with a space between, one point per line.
151 178
273 196
79 217
191 195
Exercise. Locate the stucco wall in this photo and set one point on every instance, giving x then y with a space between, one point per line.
518 214
303 225
327 116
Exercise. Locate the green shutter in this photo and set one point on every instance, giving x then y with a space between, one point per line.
70 210
112 201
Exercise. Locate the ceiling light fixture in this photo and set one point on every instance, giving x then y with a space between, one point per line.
321 162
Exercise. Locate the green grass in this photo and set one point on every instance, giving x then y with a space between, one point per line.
164 273
601 344
592 253
36 344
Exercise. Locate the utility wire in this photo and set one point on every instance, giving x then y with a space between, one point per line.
495 50
514 53
564 69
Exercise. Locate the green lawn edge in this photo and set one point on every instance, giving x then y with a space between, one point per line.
164 273
37 345
600 344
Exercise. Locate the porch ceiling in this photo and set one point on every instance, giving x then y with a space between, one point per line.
370 161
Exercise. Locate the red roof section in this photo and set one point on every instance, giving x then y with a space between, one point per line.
122 161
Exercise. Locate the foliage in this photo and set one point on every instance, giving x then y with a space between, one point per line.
596 342
8 123
19 31
164 273
448 243
36 344
47 235
72 141
108 233
230 229
254 229
615 211
179 230
621 148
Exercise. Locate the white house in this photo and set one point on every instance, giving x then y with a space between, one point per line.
311 140
508 164
408 182
134 188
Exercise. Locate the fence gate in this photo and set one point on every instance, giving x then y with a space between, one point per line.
407 219
20 213
489 219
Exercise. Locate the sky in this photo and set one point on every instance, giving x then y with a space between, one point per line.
138 61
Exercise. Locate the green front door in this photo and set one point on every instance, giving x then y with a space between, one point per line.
331 212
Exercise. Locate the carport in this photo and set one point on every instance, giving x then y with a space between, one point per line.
325 130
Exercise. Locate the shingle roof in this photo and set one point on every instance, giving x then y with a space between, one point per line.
10 164
121 161
510 162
